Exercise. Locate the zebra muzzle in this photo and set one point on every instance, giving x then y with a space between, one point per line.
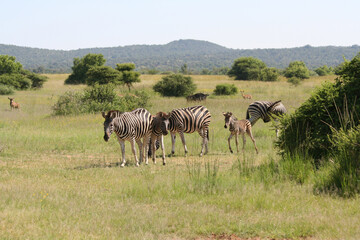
106 137
225 126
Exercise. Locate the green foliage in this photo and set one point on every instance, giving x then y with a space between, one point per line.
176 85
307 130
129 76
82 65
8 65
226 89
99 98
269 74
16 80
324 70
294 81
37 81
297 69
6 90
344 178
246 68
102 75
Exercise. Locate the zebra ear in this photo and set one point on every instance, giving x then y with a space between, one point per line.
272 105
103 114
224 114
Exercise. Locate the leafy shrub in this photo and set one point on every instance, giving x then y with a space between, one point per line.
176 85
16 80
225 89
324 70
297 69
37 81
102 75
294 81
6 90
269 74
308 128
246 68
99 98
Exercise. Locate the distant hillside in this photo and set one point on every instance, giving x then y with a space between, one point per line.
196 54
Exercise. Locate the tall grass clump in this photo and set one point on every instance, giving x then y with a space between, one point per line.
6 90
99 98
203 178
308 128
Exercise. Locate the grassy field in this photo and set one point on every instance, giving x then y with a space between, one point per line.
60 180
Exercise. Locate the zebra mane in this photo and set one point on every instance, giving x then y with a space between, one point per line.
113 113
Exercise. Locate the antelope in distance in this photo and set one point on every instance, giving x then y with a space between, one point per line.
13 104
245 96
237 127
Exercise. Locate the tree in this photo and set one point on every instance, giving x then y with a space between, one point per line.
246 68
324 70
103 75
176 85
129 76
297 69
184 69
8 65
82 65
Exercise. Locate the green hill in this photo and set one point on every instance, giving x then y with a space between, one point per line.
196 54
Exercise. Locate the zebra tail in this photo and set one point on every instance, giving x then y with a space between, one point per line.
247 114
207 134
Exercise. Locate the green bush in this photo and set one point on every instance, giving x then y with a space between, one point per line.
37 81
308 128
99 98
297 69
16 80
6 90
176 85
225 89
269 74
246 68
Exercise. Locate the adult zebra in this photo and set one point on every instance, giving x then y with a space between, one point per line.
189 120
265 110
131 126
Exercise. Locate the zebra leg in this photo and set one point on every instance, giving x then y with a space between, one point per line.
132 141
237 142
173 138
163 149
202 133
244 140
122 145
229 142
153 148
140 145
183 142
252 139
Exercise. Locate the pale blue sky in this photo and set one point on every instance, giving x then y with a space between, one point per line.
236 24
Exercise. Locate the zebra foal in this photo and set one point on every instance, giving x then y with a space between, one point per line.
131 126
237 127
189 120
266 111
159 128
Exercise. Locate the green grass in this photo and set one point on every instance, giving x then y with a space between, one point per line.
60 180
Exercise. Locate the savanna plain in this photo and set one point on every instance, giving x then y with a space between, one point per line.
60 180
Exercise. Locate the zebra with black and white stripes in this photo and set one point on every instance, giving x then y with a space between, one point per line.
131 126
189 120
159 128
265 110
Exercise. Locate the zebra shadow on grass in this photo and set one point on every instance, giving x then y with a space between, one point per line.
105 163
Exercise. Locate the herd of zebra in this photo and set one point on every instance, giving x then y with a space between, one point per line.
141 128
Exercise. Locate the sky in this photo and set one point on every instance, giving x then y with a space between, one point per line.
237 24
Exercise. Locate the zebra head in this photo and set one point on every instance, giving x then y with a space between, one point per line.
161 123
108 124
228 117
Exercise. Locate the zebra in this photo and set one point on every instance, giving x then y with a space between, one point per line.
237 127
159 128
130 126
189 120
266 111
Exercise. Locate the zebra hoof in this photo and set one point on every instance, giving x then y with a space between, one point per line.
231 151
164 163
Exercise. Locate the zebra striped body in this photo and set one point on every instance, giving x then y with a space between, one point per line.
159 128
130 126
264 110
189 120
237 127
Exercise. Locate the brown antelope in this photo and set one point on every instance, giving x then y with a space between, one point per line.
245 96
237 127
13 104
